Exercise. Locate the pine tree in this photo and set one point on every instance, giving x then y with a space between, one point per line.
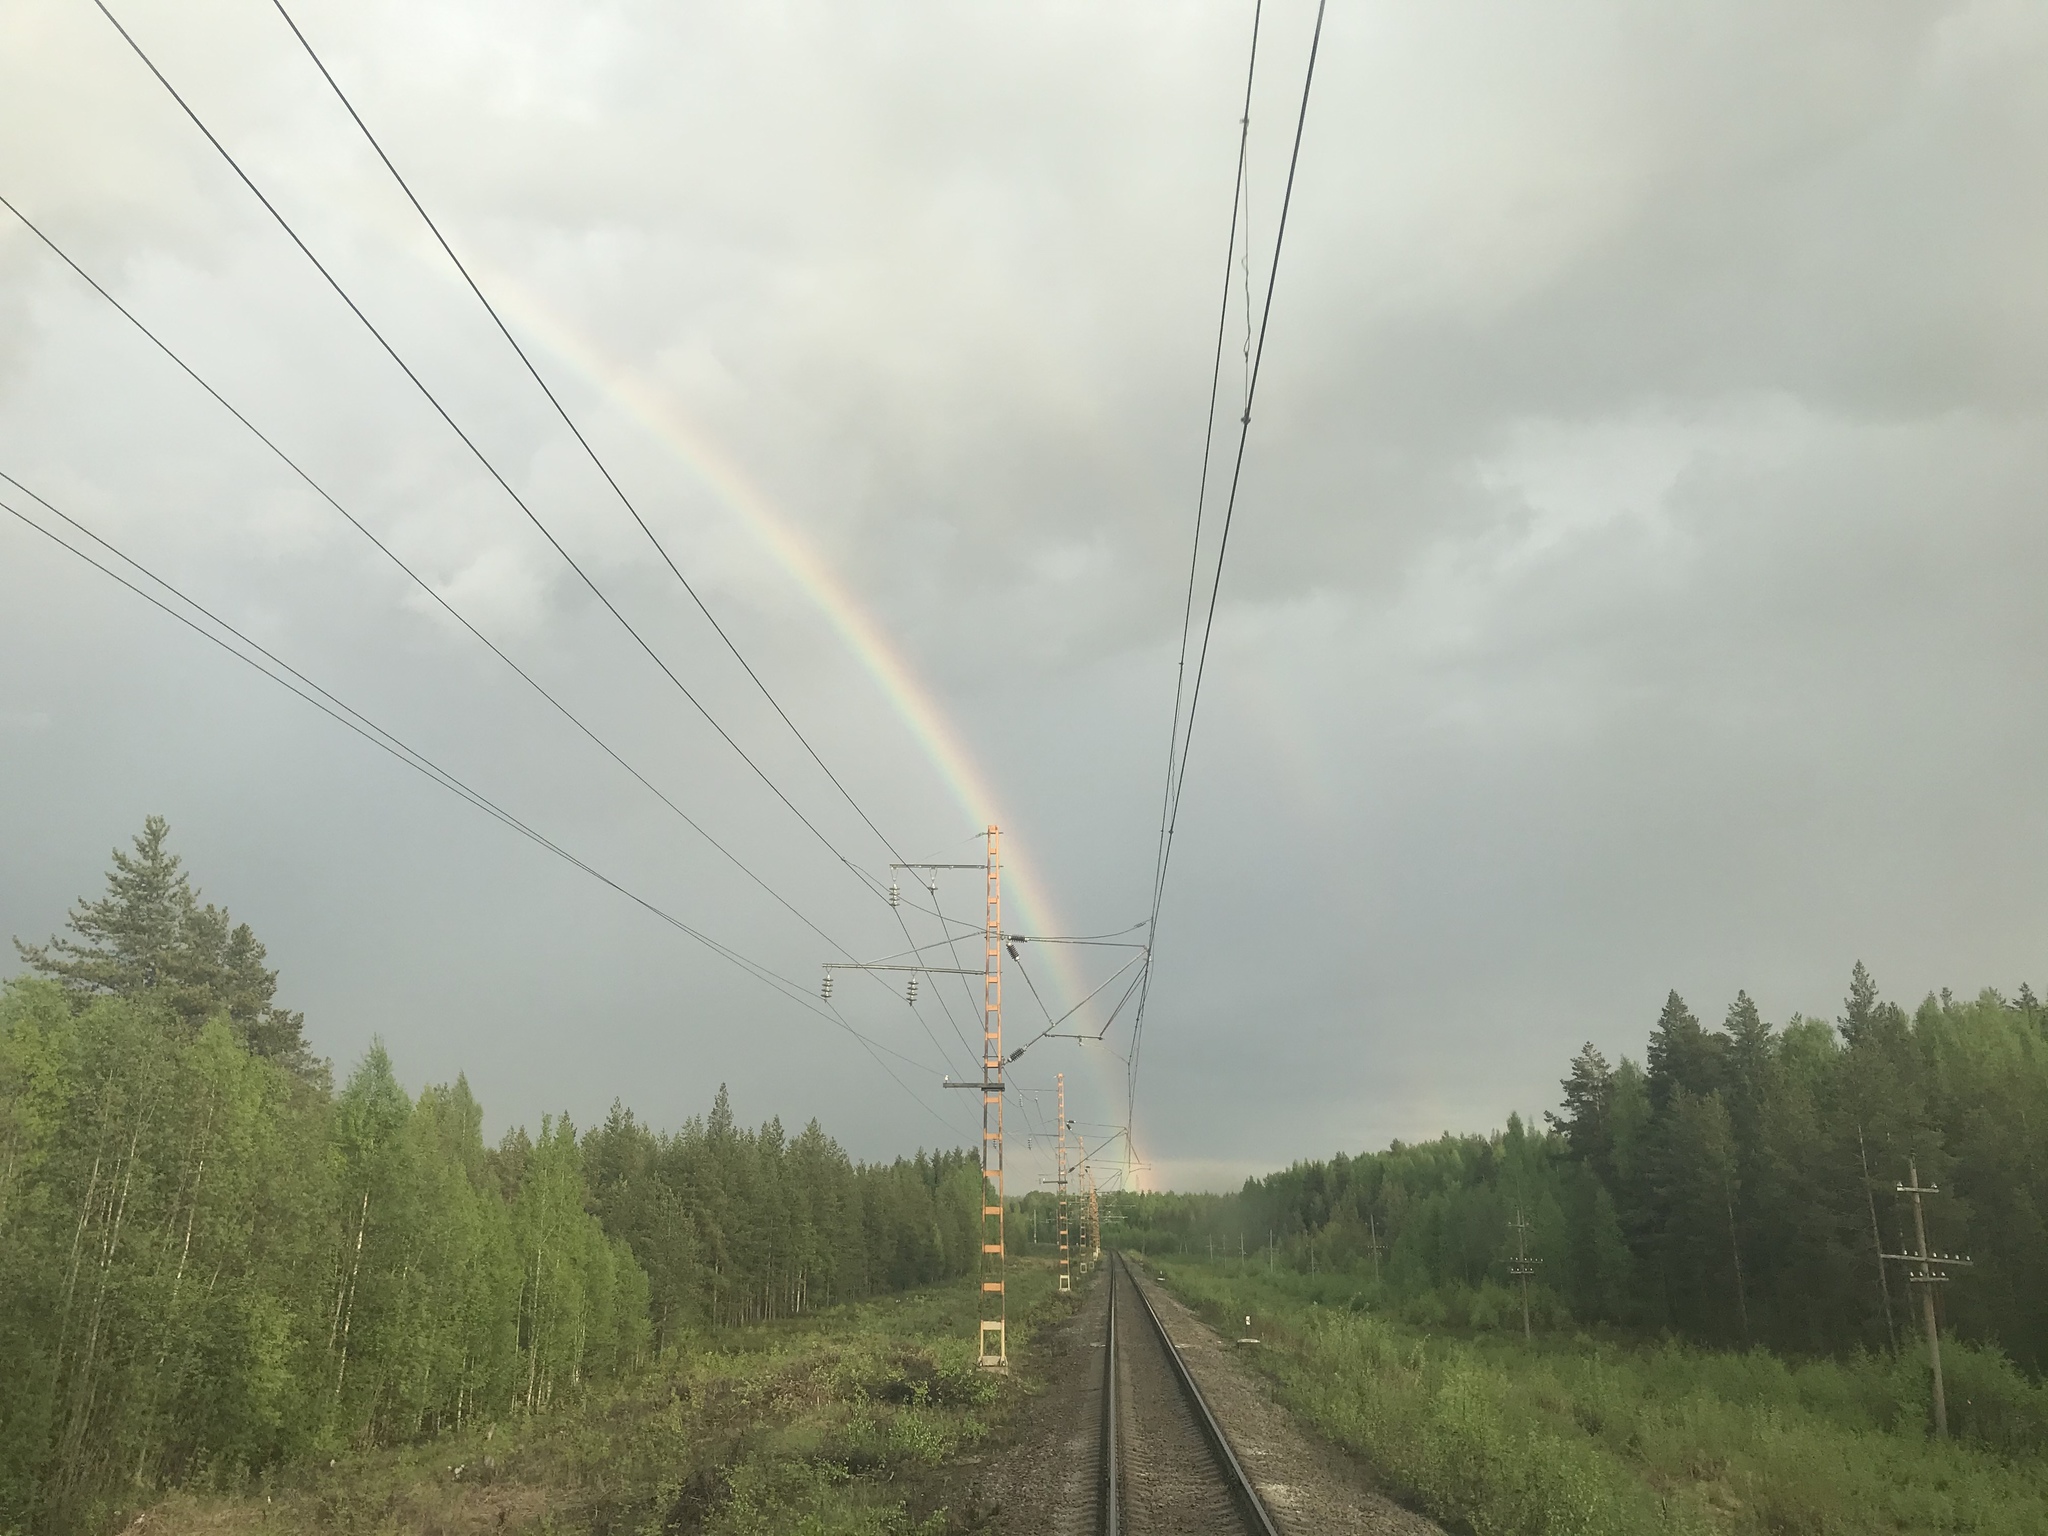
1682 1054
1588 1102
128 941
1860 1009
149 937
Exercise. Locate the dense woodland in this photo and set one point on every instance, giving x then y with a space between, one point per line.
211 1260
1735 1189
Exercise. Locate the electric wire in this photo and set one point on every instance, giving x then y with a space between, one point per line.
423 584
414 576
1102 1033
945 1004
1018 961
433 400
320 698
1208 445
952 948
1033 938
305 688
843 1024
569 422
937 1044
1054 1024
1244 425
1173 747
915 950
418 383
1177 770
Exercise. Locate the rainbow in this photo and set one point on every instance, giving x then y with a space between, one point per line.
734 486
729 482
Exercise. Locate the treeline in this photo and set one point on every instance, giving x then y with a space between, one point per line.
735 1226
211 1261
1737 1187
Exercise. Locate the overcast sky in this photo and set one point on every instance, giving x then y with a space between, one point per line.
1635 581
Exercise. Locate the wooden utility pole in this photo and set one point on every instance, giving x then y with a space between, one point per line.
1930 1270
1522 1268
1066 1272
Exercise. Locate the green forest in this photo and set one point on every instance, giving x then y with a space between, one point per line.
213 1260
1735 1189
221 1271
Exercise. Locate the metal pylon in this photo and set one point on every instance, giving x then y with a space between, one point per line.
1066 1272
993 1336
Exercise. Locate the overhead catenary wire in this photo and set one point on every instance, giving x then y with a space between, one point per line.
866 879
1244 429
1183 738
569 422
1136 981
1166 799
1017 961
297 683
1187 620
1055 1023
1112 940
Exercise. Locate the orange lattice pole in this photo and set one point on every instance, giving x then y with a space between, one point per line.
1066 1272
993 1345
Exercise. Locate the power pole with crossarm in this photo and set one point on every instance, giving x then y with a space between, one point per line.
1929 1270
993 1348
1522 1267
992 1332
1066 1273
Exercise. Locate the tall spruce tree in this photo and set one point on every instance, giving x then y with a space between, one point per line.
150 938
1683 1054
1588 1103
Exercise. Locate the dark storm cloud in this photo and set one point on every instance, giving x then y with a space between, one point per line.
1632 584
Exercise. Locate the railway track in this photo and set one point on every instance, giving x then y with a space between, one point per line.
1167 1469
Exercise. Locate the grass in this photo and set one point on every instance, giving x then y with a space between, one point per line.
830 1425
1581 1436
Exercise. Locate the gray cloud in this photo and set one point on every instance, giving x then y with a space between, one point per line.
1632 585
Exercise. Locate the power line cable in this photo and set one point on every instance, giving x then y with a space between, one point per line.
1177 772
303 687
417 580
569 422
1245 424
1017 960
966 991
862 875
1238 188
1098 942
1054 1024
945 1004
1187 620
843 1024
414 576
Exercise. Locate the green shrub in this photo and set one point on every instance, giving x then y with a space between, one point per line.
1582 1436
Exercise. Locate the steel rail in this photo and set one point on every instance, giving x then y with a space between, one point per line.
1110 1518
1249 1503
